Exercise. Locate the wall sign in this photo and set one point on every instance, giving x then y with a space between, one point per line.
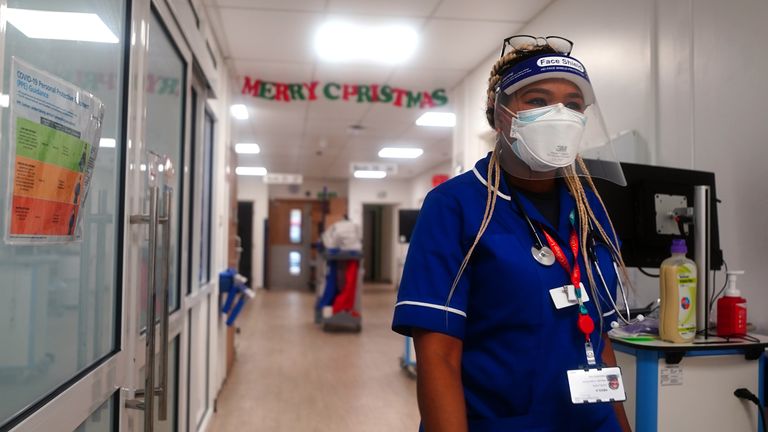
55 128
359 93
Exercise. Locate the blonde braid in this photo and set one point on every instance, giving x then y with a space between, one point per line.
494 171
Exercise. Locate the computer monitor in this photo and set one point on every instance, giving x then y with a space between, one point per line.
406 222
633 210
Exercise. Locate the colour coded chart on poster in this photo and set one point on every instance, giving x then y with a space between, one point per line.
55 128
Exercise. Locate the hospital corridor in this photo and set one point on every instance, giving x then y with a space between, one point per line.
383 215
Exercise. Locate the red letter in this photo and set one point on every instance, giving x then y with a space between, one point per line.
152 81
251 87
374 92
399 93
349 91
312 87
426 100
281 92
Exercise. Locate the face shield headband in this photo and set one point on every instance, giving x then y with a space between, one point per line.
540 142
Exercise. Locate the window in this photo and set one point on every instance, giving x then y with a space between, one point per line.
295 227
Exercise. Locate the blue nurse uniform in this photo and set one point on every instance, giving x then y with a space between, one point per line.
517 346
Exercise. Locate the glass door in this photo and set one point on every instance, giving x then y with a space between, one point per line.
60 273
158 176
198 300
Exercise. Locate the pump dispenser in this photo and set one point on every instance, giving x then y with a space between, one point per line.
677 317
732 309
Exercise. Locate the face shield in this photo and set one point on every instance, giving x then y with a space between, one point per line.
549 123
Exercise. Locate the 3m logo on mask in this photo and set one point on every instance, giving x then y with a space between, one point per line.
560 61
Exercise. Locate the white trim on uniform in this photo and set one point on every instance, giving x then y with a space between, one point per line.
433 306
485 183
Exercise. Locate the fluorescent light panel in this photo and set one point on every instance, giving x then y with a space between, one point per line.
74 26
239 111
107 143
247 148
400 152
439 119
362 174
251 171
338 41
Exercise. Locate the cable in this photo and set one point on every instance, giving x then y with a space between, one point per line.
745 394
714 297
643 271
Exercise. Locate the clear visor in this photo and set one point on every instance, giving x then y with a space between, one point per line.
552 141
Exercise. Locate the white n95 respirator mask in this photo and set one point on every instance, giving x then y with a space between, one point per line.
547 138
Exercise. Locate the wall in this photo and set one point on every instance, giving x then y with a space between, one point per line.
688 76
309 189
253 189
422 184
388 191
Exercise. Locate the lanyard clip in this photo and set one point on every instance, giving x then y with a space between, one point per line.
590 352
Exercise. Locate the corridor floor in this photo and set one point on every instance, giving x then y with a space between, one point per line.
290 376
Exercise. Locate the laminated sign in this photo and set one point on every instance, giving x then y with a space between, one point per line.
55 129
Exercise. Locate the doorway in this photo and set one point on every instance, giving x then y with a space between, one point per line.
245 233
378 247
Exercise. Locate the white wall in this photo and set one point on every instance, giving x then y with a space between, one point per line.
422 184
388 191
253 189
309 189
689 77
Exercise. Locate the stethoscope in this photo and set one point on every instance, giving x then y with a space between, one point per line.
544 256
541 253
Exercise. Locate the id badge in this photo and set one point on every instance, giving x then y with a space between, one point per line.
596 385
565 296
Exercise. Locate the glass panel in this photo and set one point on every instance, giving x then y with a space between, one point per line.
295 228
164 137
199 320
205 228
58 302
294 263
102 420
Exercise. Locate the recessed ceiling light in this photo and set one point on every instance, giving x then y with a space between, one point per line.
107 143
400 152
363 174
74 26
239 111
251 171
247 148
440 119
338 41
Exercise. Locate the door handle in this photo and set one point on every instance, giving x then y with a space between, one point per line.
165 220
147 404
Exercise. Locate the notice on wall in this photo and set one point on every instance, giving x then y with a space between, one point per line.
671 375
55 129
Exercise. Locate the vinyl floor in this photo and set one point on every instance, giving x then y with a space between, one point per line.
291 376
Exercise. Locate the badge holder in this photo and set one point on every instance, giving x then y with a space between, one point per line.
594 383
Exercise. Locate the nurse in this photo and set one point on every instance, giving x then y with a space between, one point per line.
507 315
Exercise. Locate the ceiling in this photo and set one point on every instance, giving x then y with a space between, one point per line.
272 40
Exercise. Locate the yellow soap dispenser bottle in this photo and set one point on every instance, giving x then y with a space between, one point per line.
677 318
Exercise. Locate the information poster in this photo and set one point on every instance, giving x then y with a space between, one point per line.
55 129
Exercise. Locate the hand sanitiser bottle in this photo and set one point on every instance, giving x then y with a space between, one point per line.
678 296
732 310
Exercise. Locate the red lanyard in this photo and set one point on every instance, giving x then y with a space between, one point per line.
585 323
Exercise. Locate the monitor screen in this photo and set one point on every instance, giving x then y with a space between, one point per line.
406 221
633 211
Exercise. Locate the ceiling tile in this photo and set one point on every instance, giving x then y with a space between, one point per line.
427 78
271 71
410 8
295 5
460 44
519 11
270 36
